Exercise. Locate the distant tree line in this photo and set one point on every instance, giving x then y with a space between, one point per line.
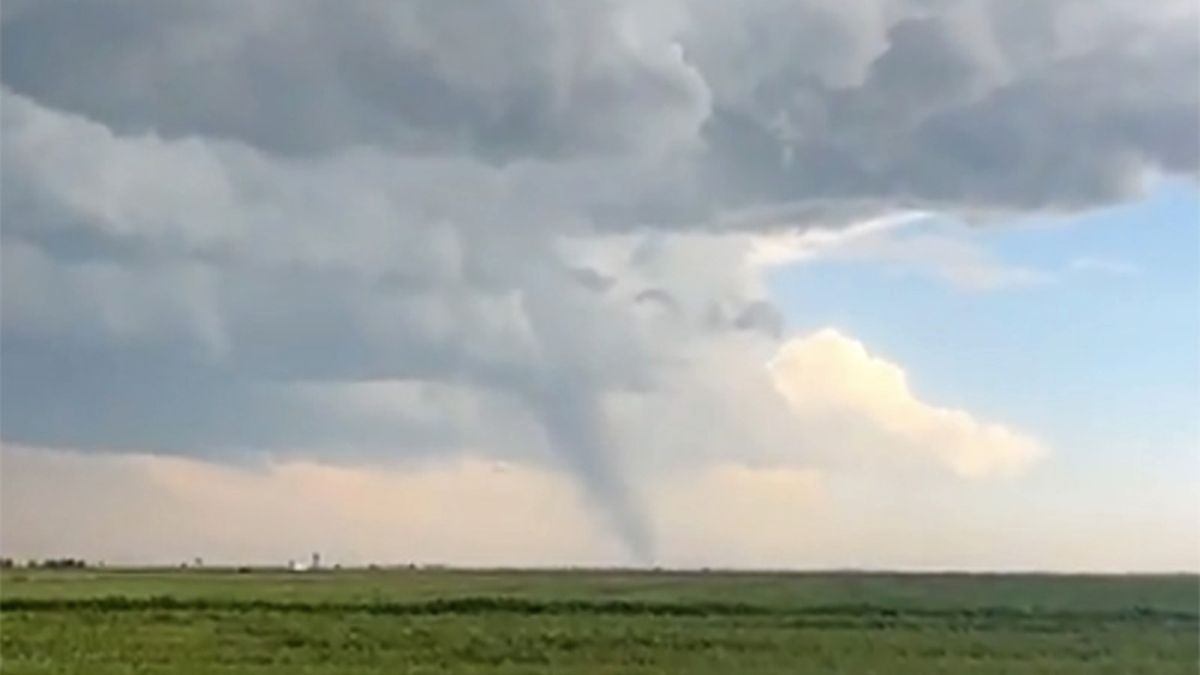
48 563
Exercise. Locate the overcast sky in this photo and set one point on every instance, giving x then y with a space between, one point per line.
774 283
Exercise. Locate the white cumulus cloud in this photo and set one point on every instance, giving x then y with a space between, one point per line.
833 382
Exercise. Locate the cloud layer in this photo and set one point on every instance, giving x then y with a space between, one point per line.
147 509
390 231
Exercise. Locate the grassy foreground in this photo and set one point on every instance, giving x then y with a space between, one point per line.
412 621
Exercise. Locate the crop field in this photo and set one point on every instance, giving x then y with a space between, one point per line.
446 621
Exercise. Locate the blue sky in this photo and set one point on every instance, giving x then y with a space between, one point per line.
1103 364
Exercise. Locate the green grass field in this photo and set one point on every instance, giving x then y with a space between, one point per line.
414 621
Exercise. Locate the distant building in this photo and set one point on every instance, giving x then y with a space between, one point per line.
297 566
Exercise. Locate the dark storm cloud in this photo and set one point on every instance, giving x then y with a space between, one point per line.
945 117
506 79
269 226
955 106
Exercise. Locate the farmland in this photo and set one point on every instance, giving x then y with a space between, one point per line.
449 621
